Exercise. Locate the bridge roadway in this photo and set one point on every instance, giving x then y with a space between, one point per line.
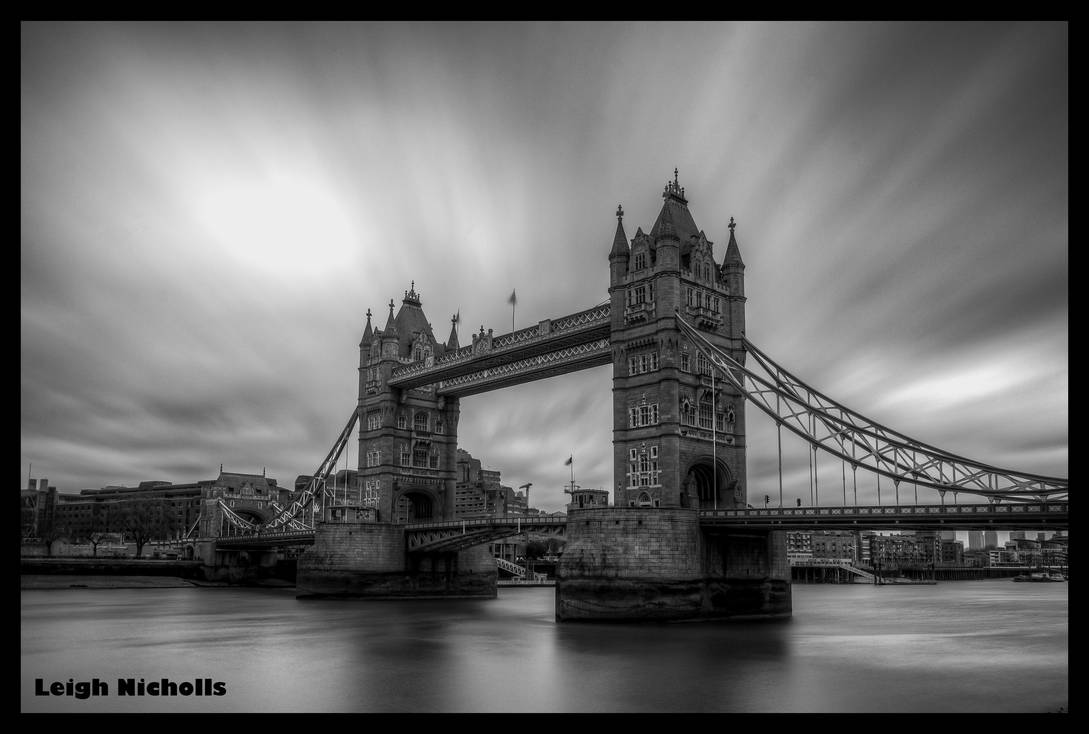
452 535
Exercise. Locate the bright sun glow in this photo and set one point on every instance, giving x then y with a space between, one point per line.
279 226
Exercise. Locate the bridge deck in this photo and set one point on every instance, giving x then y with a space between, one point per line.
449 535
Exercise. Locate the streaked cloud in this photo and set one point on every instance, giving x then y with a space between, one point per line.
208 211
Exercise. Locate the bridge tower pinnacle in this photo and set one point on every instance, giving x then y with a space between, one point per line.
678 434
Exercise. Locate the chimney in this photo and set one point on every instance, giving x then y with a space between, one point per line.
43 484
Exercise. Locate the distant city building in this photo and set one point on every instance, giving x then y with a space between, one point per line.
835 544
990 539
952 553
799 544
585 498
479 492
975 540
159 509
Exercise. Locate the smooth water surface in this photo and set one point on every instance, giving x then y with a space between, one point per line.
958 646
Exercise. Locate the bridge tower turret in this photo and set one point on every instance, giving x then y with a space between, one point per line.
678 434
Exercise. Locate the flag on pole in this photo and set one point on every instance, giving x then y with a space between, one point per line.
569 460
513 300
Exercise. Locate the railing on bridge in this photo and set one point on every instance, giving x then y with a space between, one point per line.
449 535
519 571
961 516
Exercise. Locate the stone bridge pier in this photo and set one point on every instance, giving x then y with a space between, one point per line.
235 566
370 560
656 564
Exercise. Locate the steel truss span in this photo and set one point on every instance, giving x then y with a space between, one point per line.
291 518
865 443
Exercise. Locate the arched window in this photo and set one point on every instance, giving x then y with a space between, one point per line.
688 413
644 500
420 421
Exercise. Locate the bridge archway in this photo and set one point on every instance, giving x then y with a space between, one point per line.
416 506
705 488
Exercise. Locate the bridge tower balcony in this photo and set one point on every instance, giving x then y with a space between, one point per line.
638 312
703 317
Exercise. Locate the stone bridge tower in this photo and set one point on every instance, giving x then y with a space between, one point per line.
678 435
678 444
407 438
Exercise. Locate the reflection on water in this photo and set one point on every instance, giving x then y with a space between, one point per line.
970 646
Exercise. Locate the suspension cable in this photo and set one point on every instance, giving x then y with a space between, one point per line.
832 427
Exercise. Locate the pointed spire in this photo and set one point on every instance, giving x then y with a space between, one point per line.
368 333
620 240
452 342
391 325
733 253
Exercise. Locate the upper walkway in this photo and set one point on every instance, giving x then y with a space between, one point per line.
550 347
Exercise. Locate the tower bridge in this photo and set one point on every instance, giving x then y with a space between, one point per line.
680 540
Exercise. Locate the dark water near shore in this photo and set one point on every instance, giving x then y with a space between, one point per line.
959 646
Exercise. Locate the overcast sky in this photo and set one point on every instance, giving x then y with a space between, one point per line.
208 211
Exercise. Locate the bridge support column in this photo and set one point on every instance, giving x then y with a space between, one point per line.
656 564
369 560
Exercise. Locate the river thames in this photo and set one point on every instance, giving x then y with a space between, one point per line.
958 646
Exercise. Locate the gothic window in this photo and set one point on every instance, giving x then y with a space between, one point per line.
643 467
644 499
703 365
643 415
419 421
438 425
640 260
705 410
689 297
374 420
434 460
374 458
406 457
402 421
419 456
640 363
688 413
370 492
